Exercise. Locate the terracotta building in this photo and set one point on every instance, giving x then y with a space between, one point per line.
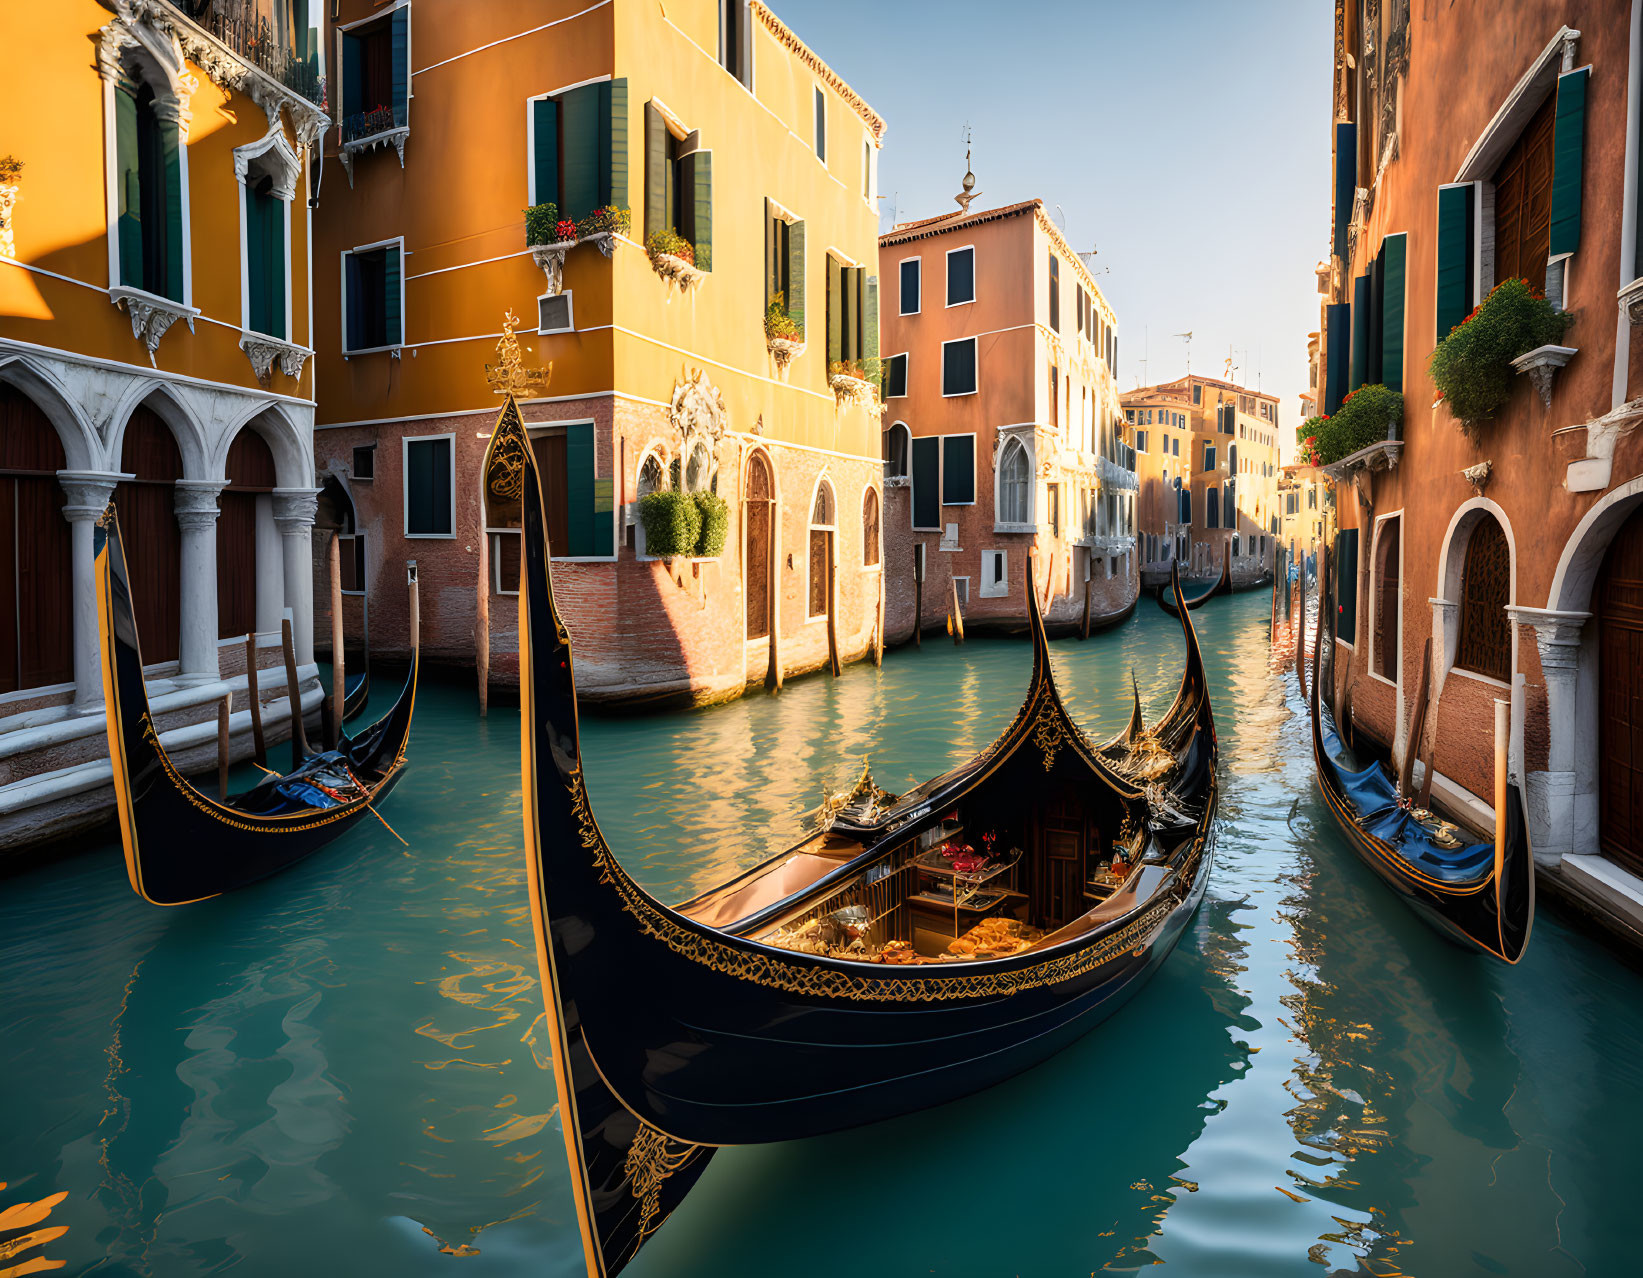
1472 146
1207 456
155 343
704 131
1001 421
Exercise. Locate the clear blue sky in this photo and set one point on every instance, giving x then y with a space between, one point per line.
1187 141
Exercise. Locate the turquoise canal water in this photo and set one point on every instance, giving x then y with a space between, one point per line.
343 1070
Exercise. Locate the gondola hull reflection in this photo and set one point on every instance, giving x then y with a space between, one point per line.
733 1018
1168 595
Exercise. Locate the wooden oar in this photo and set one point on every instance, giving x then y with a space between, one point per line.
918 600
253 688
225 708
1412 746
338 672
955 619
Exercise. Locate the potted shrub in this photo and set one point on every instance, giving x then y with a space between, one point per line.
1472 366
1369 415
602 224
673 523
673 257
853 378
714 512
783 334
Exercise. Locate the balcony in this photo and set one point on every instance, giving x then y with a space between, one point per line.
264 33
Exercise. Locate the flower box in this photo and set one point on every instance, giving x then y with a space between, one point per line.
784 350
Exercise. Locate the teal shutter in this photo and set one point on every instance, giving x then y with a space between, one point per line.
128 190
835 311
696 177
1346 181
1454 291
171 144
870 319
1568 160
353 75
583 169
1338 324
795 275
401 39
352 303
958 470
656 171
1346 584
579 488
545 151
1360 331
1394 255
393 321
613 98
1377 304
926 468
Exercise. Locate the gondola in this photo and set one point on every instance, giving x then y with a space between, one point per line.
1481 895
1167 595
182 845
356 691
816 992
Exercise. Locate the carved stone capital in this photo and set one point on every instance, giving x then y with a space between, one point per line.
294 510
1478 475
88 492
195 503
1557 635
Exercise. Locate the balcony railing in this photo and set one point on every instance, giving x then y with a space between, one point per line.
368 124
264 33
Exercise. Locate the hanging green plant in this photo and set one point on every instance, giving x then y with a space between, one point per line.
1367 416
673 523
714 511
1472 366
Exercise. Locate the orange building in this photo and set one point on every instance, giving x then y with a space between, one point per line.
155 338
1001 415
679 201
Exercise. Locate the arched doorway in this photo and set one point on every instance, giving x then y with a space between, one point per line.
1387 628
1617 605
822 527
757 563
148 528
36 565
250 479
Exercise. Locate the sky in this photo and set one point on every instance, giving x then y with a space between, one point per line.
1187 142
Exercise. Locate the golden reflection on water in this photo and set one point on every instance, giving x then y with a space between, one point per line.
19 1237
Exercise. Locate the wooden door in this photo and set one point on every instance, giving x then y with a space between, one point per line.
36 572
148 529
1523 201
756 561
1062 880
1386 602
553 471
1618 603
250 471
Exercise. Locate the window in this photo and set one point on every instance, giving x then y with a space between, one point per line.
1140 441
869 169
1052 508
958 470
896 443
1485 645
821 551
895 377
852 314
958 367
1055 293
926 479
1014 476
1055 396
821 125
995 574
736 40
961 588
1129 415
578 149
1523 201
961 276
149 158
376 77
554 315
364 466
373 298
351 547
911 279
1386 601
1212 508
784 263
1175 447
678 173
870 528
265 267
430 485
1197 394
1209 456
1235 543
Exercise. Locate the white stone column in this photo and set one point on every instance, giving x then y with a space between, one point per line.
1551 794
294 510
270 568
196 507
88 493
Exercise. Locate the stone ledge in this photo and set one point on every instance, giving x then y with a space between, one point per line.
1616 889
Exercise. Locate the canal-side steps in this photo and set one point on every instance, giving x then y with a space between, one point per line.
55 778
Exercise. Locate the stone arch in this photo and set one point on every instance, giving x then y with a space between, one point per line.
1006 451
898 450
293 466
185 427
273 155
1452 558
81 447
1583 553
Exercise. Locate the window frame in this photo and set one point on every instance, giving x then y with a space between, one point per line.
947 290
870 491
358 554
342 268
252 153
907 468
342 31
811 527
906 374
901 285
353 464
494 536
999 589
570 311
405 442
161 88
818 137
975 368
975 485
1029 524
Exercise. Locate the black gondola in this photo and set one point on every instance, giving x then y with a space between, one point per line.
1167 595
804 996
1481 895
182 845
356 691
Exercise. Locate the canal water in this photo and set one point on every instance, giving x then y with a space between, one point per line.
343 1070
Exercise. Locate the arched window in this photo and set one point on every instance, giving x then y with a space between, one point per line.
759 563
650 475
37 643
1014 477
821 550
1386 601
1485 646
870 527
896 445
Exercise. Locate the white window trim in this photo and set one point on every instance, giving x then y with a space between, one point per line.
867 567
111 161
975 366
496 560
342 268
907 379
274 141
947 289
1000 524
405 488
965 601
410 83
974 478
360 536
901 291
811 526
570 308
1000 589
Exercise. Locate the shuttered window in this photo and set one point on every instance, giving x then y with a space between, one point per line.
1568 160
852 314
821 126
579 149
588 500
428 491
1338 325
926 485
911 279
1523 202
376 76
373 298
958 367
1212 508
1456 286
148 176
961 276
265 259
1055 293
958 470
895 377
1361 328
1392 261
784 264
1346 181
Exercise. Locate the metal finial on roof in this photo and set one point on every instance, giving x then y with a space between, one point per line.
970 193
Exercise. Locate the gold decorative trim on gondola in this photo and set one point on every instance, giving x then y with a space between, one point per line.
762 967
1048 733
651 1159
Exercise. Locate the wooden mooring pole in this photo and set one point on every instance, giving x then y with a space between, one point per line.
253 688
299 738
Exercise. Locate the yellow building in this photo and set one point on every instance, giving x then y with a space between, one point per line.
639 183
154 347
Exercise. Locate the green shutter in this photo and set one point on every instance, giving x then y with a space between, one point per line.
1360 331
278 268
393 320
795 274
1454 291
545 151
128 186
835 310
1377 303
583 170
256 292
697 177
579 501
1568 161
171 144
1346 181
613 98
353 303
353 75
1338 324
401 39
1394 253
870 319
926 468
656 170
958 470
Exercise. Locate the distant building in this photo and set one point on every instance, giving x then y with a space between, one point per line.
1002 437
1207 453
1305 504
711 168
155 348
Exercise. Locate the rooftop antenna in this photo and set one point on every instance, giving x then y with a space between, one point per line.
1188 336
970 192
1230 366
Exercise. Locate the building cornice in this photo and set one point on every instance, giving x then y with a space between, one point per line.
831 78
